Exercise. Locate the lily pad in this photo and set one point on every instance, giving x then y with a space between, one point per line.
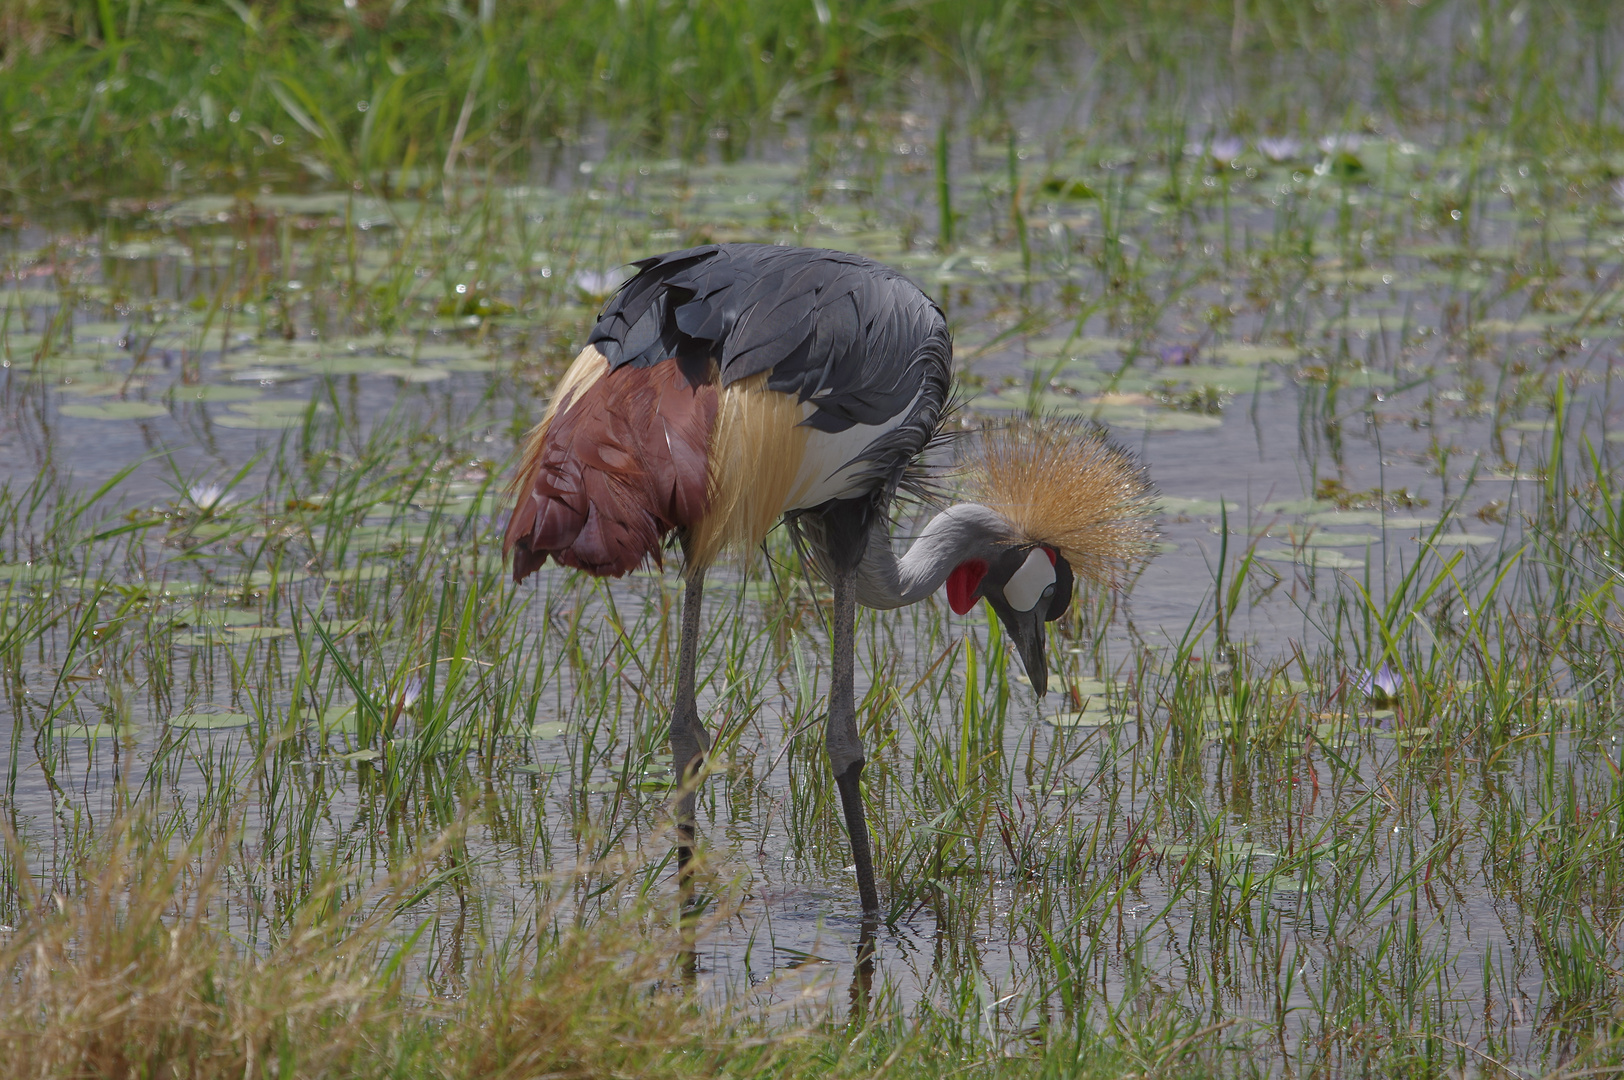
208 721
1093 715
1463 540
1370 517
268 375
351 365
221 617
550 729
212 394
1256 354
239 634
540 768
116 410
375 571
1178 505
336 720
1326 558
258 421
86 731
1320 539
261 579
340 628
26 571
423 374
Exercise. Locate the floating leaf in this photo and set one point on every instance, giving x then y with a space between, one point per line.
1326 558
1094 714
237 634
212 394
1462 540
1176 505
337 720
1256 354
540 768
268 375
263 579
550 729
221 617
208 721
26 571
257 422
417 374
116 410
86 731
1370 517
1334 539
339 628
375 571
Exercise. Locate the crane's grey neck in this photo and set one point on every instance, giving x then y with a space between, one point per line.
958 534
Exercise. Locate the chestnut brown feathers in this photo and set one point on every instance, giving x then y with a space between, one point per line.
616 467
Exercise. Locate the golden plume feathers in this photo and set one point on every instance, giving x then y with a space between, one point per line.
1062 483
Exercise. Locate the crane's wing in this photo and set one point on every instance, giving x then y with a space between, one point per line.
854 338
807 378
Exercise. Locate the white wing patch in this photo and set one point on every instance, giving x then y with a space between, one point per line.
1026 585
833 467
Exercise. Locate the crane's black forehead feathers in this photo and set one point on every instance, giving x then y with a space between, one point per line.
850 335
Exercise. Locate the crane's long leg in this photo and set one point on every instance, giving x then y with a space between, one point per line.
844 744
689 739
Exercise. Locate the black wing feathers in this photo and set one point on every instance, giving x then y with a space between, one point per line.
853 337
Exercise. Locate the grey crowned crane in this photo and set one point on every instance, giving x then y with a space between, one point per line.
731 386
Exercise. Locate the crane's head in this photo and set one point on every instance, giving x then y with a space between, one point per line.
1064 503
1027 586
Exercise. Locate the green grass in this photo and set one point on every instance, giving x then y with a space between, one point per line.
179 96
295 782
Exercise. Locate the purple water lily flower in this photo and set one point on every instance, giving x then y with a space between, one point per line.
1278 149
1226 150
1380 684
1222 150
598 283
208 497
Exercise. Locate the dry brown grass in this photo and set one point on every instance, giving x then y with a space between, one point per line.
136 977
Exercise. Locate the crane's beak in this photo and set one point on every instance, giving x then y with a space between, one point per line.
1025 629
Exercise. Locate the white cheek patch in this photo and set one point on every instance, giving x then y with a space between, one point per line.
1026 585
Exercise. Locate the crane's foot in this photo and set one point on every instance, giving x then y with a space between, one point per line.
851 801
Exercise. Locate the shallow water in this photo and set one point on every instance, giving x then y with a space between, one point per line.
1366 381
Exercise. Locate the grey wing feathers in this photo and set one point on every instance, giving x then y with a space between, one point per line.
853 337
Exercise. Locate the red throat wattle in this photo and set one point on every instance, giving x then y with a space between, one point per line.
962 584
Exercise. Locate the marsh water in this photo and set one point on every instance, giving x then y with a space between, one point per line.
1335 782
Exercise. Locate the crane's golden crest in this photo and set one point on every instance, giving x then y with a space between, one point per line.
1061 483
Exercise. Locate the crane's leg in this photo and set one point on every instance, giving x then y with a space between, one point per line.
841 737
689 739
